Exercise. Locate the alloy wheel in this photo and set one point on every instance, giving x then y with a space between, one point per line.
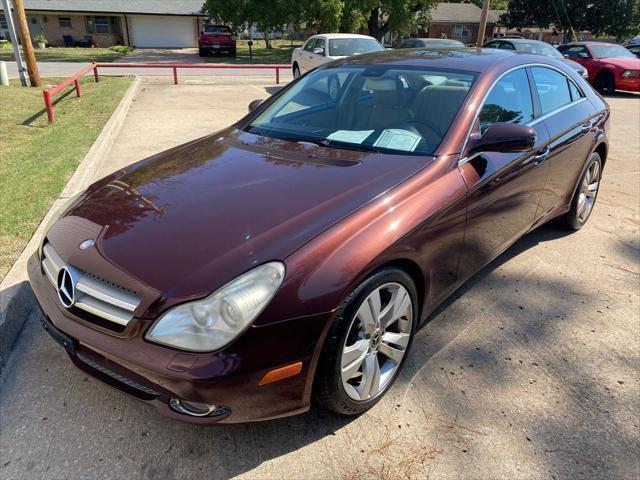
376 342
588 191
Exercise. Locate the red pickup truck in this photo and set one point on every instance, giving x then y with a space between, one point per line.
216 39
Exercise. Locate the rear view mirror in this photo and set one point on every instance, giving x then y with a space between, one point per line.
503 137
255 104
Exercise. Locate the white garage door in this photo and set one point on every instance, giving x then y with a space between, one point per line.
162 32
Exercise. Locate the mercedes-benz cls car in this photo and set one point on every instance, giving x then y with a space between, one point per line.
295 253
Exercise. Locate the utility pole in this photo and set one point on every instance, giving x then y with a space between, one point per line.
483 22
8 15
27 47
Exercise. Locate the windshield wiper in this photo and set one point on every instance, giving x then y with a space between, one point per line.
348 146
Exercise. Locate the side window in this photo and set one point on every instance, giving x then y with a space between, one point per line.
310 45
320 44
509 101
506 46
577 52
492 45
576 93
552 87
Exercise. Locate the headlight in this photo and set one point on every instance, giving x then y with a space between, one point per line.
631 74
210 324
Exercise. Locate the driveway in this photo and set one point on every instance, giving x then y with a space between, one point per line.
530 371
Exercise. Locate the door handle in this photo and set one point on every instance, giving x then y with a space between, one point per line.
586 127
541 156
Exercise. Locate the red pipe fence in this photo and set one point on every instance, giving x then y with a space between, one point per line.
75 79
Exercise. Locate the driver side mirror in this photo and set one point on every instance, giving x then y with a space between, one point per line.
318 51
583 55
503 137
255 104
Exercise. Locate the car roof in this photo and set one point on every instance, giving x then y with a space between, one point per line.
586 44
518 40
427 39
469 58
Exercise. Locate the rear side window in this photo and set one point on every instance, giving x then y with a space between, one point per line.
553 88
576 94
509 101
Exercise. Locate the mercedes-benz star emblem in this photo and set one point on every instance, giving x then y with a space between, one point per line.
87 244
66 290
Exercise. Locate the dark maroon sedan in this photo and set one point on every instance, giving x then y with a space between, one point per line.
297 252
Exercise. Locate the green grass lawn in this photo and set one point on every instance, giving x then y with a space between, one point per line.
280 53
37 159
59 54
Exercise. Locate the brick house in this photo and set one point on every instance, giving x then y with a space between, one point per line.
460 21
103 23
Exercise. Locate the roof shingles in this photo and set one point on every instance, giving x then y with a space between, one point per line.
154 7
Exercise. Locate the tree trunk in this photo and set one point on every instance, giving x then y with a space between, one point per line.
267 40
373 24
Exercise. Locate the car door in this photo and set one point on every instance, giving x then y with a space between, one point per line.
581 54
569 119
504 188
305 55
317 59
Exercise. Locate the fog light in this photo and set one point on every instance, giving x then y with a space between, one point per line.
192 408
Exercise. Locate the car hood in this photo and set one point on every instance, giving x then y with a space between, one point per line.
575 65
189 220
626 63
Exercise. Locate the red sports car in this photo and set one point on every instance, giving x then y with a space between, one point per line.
298 251
610 66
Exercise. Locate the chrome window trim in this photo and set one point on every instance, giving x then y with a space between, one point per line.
533 122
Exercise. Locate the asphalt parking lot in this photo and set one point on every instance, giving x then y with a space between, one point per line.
532 370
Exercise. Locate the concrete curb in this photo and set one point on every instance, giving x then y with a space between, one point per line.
16 297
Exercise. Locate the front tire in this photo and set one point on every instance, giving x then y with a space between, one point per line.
586 195
605 83
202 52
367 343
296 71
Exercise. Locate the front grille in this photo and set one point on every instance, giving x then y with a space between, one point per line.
94 295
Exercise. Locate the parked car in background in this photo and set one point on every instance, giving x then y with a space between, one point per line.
611 67
298 251
216 39
321 49
635 49
430 43
538 47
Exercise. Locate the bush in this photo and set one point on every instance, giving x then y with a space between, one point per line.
121 49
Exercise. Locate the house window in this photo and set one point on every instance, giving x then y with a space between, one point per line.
3 23
102 24
462 31
64 22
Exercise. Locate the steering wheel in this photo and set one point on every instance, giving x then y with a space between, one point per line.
417 121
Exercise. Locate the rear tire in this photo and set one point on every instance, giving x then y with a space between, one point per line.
296 71
605 83
367 343
585 197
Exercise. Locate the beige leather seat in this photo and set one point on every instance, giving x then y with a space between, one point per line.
387 106
437 105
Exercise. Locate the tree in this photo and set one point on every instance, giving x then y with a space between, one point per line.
266 15
618 18
321 15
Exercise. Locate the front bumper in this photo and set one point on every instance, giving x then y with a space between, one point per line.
218 48
628 84
155 374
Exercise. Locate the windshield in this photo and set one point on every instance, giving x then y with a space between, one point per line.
217 29
539 48
373 108
610 51
345 47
